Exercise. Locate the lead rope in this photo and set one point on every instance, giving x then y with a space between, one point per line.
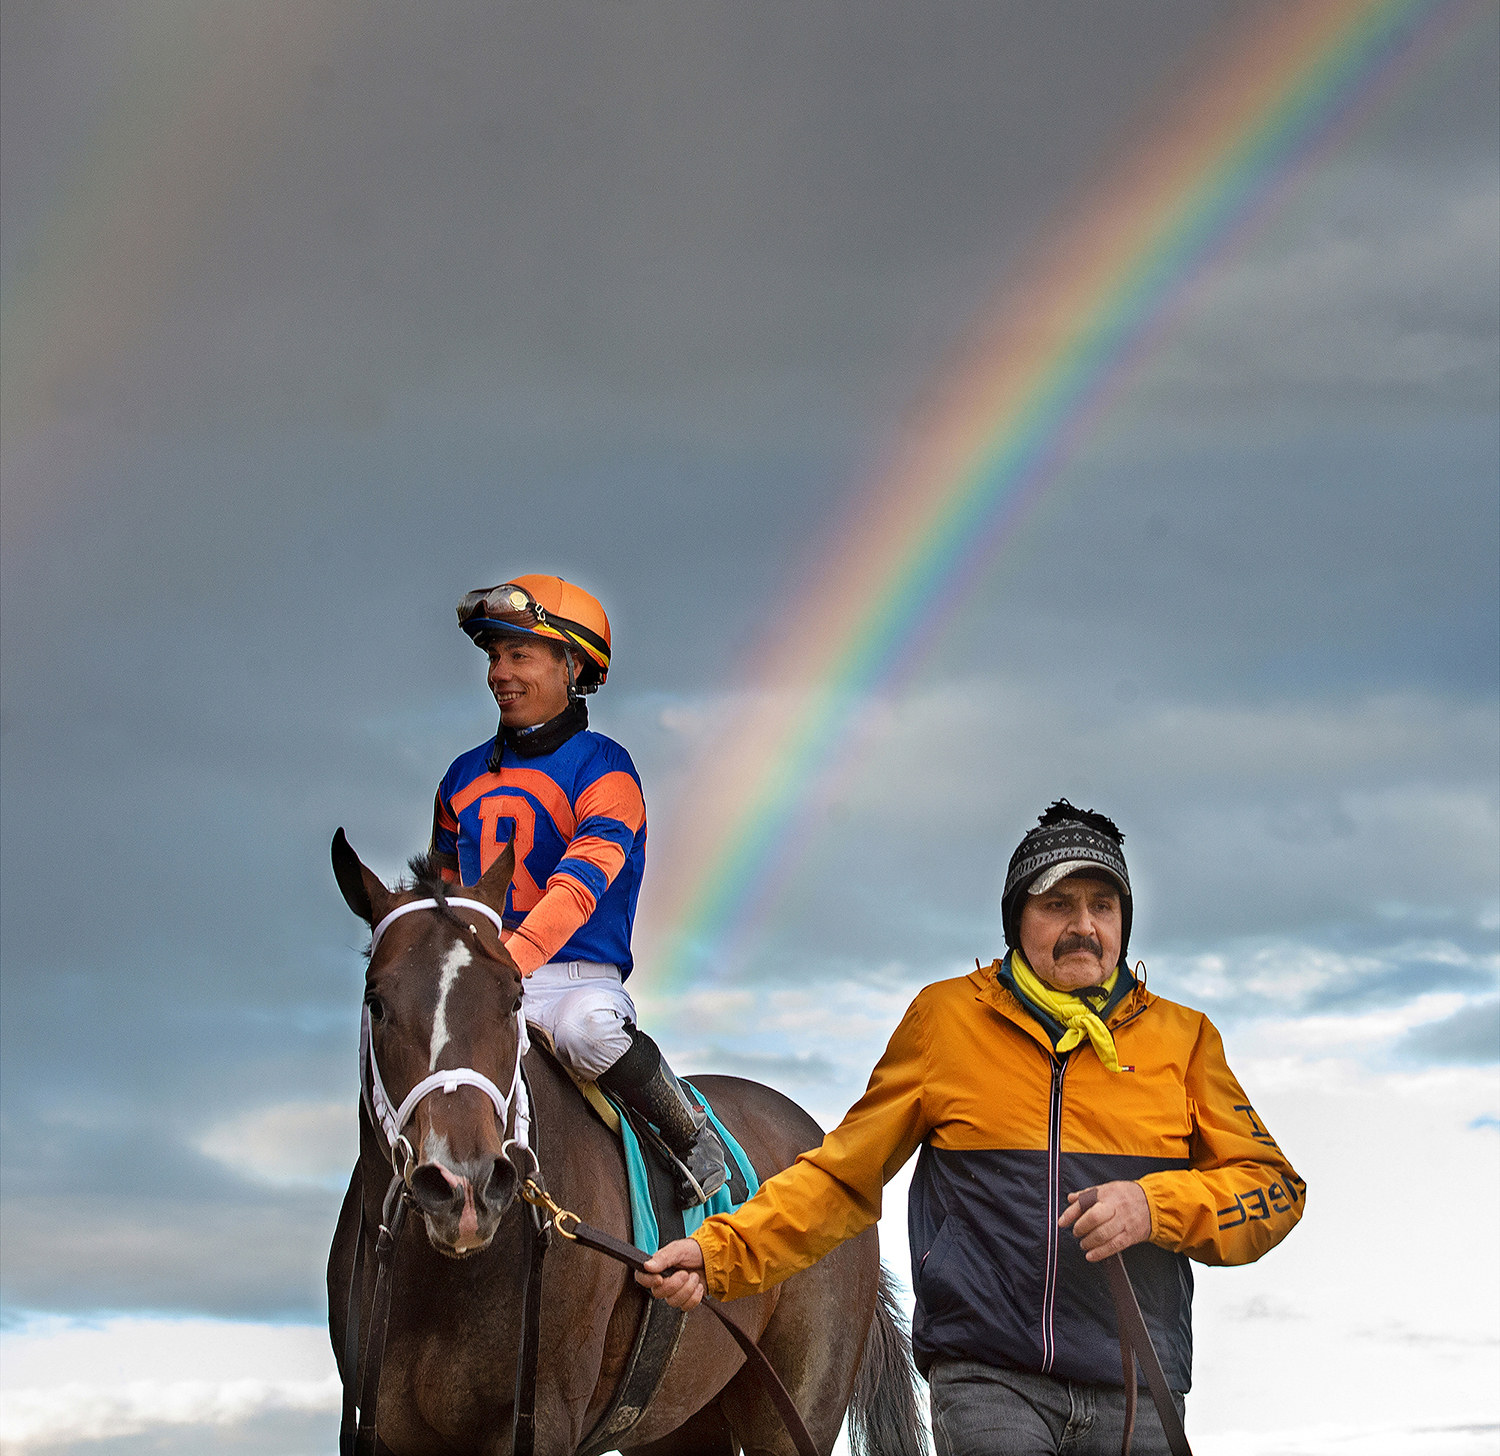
570 1226
1135 1344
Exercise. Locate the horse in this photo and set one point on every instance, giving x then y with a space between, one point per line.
441 993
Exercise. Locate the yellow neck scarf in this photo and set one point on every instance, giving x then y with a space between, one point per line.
1072 1011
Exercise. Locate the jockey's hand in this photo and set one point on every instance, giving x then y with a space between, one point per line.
676 1274
1120 1218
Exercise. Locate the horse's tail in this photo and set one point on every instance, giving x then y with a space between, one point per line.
884 1418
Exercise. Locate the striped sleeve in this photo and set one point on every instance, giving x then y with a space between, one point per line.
443 847
609 813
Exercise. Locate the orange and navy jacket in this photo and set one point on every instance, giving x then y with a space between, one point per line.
579 824
1007 1129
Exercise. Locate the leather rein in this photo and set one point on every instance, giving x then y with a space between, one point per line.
570 1226
1135 1345
358 1435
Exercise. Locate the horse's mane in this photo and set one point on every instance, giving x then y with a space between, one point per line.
426 876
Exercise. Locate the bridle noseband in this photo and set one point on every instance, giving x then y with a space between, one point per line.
372 1087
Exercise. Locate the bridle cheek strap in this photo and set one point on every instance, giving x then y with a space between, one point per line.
448 1080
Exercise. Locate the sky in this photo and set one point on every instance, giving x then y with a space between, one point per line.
317 315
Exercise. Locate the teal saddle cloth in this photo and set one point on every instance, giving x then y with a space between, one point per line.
655 1218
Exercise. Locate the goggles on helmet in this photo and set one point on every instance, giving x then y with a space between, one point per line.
508 605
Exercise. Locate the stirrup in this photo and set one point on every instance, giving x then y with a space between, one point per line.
709 1153
689 1188
690 1192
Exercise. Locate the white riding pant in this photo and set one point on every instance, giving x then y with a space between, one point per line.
583 1007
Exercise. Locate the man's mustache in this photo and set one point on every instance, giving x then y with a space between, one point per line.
1069 943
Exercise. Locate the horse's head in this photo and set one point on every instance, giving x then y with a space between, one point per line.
441 995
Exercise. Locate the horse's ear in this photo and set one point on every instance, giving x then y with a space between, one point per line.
495 881
362 890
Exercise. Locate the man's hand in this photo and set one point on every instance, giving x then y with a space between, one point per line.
1120 1218
683 1288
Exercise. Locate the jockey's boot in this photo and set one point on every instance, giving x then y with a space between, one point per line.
644 1082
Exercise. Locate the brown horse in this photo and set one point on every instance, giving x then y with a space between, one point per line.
441 993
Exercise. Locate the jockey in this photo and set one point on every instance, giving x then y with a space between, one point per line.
571 802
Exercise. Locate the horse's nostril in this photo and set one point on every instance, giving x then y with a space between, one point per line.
432 1190
500 1187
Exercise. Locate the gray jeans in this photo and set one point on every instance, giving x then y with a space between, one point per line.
980 1410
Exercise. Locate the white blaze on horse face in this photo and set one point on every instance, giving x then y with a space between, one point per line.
453 963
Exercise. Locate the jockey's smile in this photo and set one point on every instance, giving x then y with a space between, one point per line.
529 679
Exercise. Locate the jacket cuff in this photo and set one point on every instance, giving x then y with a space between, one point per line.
711 1241
1166 1228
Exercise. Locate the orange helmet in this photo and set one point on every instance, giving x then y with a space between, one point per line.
546 607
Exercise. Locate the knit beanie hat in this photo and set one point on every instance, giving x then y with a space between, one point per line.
1065 841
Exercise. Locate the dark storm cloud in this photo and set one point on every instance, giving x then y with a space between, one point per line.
614 204
1326 562
1362 823
171 1231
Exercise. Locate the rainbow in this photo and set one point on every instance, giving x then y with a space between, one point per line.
1097 296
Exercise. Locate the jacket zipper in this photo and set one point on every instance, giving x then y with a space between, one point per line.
1054 1211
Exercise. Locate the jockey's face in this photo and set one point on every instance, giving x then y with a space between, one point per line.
1070 934
529 679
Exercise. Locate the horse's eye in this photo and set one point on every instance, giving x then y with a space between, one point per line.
377 1007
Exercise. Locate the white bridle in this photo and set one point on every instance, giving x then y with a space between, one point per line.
492 915
449 1079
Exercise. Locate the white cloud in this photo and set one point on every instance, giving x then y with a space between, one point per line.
1382 1154
1271 977
83 1412
1372 1327
288 1144
66 1381
706 1010
1359 1032
1192 746
1379 1290
1423 1436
